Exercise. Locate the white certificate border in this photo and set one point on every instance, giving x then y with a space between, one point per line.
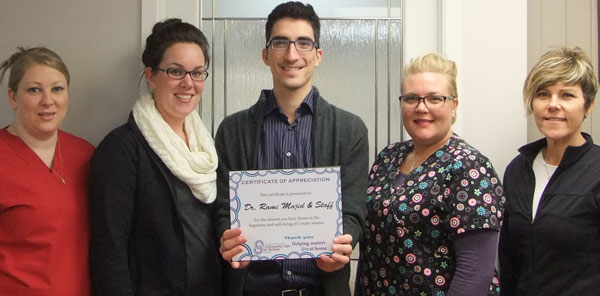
236 205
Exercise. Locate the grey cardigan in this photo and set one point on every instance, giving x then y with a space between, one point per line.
339 139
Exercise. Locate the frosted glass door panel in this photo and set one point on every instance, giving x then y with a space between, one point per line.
211 106
394 55
347 76
246 73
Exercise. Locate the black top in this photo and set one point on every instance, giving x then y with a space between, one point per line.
200 248
138 242
557 254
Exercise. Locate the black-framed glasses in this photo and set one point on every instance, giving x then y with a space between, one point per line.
284 44
431 101
176 73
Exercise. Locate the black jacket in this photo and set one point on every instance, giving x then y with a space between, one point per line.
559 253
137 240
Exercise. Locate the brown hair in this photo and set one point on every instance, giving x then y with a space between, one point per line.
168 32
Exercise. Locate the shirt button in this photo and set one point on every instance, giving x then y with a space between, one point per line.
289 272
288 154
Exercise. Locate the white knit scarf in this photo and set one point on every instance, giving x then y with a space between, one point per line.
196 165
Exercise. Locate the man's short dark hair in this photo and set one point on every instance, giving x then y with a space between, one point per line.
296 10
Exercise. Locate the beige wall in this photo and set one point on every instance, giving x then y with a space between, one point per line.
100 43
563 23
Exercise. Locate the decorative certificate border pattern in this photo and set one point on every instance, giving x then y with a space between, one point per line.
266 246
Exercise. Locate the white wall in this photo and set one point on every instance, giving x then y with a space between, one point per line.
488 41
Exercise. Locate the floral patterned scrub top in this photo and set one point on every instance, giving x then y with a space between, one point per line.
407 247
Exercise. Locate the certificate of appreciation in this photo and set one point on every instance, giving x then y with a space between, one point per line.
287 213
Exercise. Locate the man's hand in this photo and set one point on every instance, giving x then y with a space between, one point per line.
231 245
341 254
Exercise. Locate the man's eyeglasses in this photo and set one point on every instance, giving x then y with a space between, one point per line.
431 102
175 73
284 44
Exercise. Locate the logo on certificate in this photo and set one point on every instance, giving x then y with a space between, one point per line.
258 246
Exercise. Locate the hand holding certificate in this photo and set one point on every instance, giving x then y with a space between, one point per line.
286 214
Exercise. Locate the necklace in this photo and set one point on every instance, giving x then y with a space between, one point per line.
414 156
412 165
62 169
14 131
548 175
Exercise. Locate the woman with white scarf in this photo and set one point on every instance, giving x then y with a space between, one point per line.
152 180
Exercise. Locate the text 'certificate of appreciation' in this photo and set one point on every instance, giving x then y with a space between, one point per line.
287 213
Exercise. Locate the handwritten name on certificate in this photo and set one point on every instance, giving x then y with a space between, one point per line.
288 213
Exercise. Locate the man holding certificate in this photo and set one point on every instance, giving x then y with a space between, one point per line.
291 127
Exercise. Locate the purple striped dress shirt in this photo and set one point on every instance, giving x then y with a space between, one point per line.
284 145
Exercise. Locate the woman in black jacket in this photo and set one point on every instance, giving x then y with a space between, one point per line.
550 239
153 181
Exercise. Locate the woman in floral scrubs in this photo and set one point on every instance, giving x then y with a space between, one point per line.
434 203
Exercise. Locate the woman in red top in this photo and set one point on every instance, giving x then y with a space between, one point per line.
43 179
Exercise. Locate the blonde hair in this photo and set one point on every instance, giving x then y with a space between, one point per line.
433 62
20 61
569 65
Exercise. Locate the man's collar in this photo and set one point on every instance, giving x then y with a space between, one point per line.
271 102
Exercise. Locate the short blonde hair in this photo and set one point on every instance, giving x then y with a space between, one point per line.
567 64
435 63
